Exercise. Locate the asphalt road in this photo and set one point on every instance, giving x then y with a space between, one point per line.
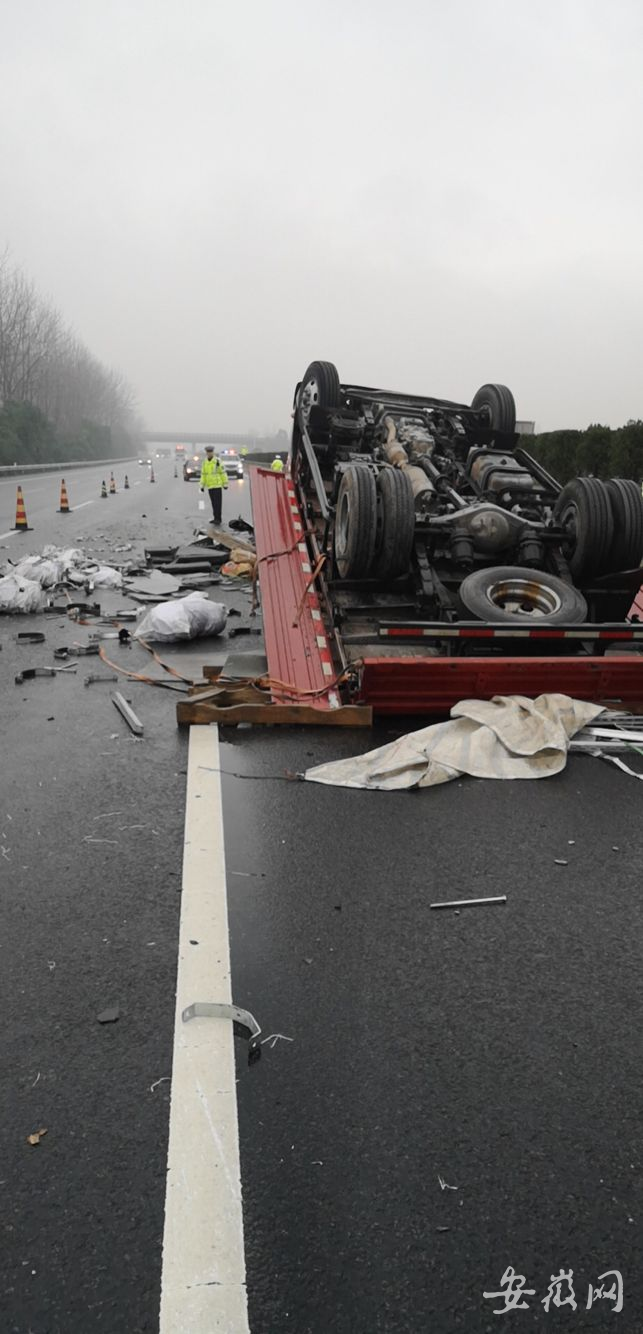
497 1050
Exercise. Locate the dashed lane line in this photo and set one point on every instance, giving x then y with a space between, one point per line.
203 1276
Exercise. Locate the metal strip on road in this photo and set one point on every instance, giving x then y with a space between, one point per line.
203 1276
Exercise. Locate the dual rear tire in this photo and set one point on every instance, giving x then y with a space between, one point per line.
603 522
374 523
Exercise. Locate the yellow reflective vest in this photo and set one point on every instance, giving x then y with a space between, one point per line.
213 474
277 465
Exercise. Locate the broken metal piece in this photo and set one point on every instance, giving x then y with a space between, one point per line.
29 673
93 676
30 637
86 608
469 903
135 725
85 650
243 1022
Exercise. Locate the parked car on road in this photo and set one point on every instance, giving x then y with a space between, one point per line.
232 462
192 469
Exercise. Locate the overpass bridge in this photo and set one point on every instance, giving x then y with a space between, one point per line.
256 443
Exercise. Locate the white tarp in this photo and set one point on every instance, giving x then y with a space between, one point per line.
506 737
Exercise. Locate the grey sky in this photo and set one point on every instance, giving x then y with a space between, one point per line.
430 194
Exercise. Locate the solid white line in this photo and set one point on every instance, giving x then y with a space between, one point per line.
203 1276
82 506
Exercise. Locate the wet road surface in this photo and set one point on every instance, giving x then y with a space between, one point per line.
498 1049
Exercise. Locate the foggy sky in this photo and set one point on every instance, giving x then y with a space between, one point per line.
431 194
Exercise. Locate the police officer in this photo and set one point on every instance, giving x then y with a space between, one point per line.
277 464
214 480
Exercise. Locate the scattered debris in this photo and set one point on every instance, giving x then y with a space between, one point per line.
36 1080
94 677
108 1016
30 637
469 903
243 1022
28 673
135 725
274 1038
560 861
36 1138
620 764
165 1079
444 1185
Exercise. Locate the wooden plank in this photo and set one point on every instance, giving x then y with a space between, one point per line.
231 542
189 712
135 725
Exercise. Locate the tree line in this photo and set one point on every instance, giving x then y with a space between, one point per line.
598 451
57 401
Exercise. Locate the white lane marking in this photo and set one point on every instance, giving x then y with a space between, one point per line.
12 532
203 1277
82 506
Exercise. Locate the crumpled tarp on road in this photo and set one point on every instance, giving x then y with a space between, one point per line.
507 737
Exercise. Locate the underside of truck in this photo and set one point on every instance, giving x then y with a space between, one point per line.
443 555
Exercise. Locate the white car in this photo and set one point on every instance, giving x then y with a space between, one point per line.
232 463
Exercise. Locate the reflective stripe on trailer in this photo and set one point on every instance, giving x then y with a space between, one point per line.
438 631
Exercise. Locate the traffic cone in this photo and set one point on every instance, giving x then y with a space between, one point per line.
103 491
64 500
126 484
112 485
152 477
21 518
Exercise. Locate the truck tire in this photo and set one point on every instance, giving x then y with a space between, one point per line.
500 405
584 509
514 593
320 387
396 529
626 552
355 523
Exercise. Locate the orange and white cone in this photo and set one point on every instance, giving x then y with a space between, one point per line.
64 499
126 483
21 518
112 485
103 492
152 477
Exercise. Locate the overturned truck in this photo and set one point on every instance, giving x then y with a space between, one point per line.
449 562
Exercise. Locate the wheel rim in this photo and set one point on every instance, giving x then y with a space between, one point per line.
567 520
523 598
342 525
309 397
